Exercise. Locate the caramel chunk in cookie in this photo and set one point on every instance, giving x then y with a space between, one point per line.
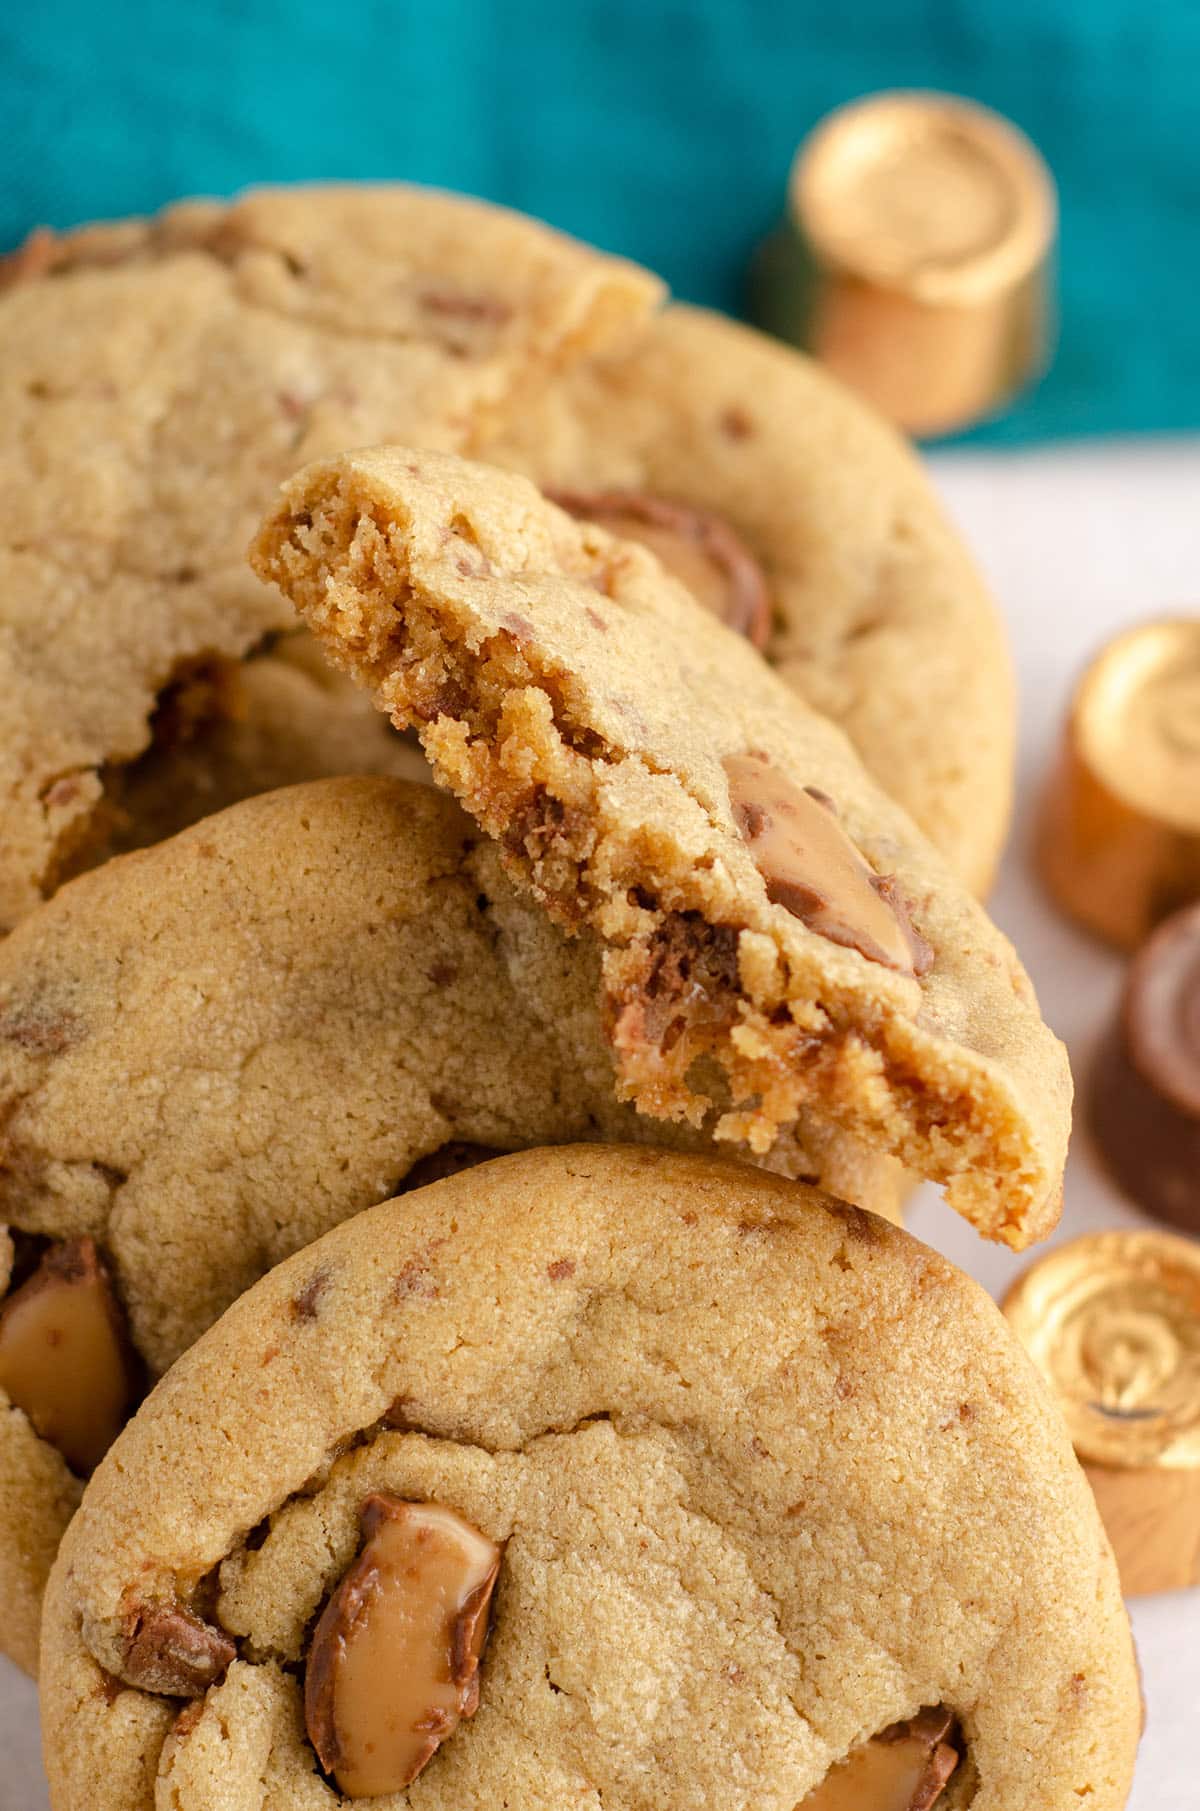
64 1355
810 866
737 1540
394 1663
700 549
210 350
581 705
904 1768
170 1650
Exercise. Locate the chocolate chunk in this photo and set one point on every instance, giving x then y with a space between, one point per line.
39 1026
306 1303
489 311
169 1650
1144 1101
701 550
65 1356
682 1000
810 866
394 1662
447 1160
903 1768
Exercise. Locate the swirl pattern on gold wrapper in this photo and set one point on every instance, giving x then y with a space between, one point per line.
1113 1322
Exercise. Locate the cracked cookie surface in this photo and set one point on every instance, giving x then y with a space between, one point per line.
160 377
769 1477
878 617
764 910
214 1050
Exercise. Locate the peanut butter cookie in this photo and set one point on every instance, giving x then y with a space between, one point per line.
213 1051
636 1480
776 932
161 377
227 730
809 524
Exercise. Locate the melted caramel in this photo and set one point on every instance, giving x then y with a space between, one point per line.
904 1769
64 1358
701 550
811 867
394 1663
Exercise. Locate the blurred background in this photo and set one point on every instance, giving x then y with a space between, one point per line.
663 129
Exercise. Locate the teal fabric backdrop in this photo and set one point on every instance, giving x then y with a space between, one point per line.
656 127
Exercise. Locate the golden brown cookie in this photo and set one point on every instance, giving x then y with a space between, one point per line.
798 513
737 1480
234 729
159 379
777 934
213 1051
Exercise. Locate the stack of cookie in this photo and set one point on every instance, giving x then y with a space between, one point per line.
617 1471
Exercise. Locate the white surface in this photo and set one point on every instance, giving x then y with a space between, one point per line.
1077 544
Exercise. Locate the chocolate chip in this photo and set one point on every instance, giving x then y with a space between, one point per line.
305 1304
171 1651
488 310
393 1665
65 1354
698 548
519 627
863 1228
560 1270
39 1026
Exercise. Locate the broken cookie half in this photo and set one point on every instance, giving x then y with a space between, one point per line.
205 354
777 934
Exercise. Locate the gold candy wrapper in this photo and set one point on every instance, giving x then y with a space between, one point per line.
916 258
1118 842
1112 1320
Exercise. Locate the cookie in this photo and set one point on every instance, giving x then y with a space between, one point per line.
783 500
213 1051
160 378
232 729
651 1482
775 930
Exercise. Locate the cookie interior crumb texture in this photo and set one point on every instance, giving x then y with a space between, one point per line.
585 709
768 1477
160 377
878 616
214 1050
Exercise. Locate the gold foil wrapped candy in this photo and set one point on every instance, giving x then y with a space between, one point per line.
1112 1320
1119 837
916 257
